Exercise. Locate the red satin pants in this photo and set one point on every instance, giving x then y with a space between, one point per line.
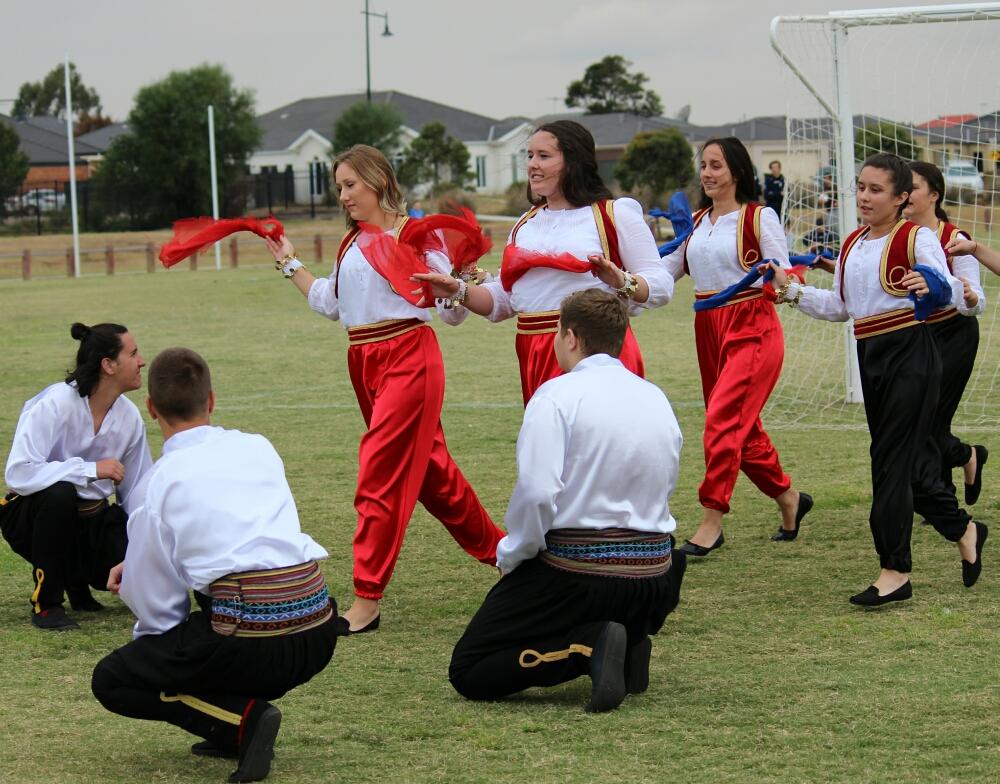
740 351
403 458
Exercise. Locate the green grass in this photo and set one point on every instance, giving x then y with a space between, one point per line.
764 673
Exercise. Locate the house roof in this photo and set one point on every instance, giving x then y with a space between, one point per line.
946 120
101 138
282 126
616 129
43 140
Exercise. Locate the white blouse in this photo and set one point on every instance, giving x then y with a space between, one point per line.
55 442
968 267
711 251
215 503
572 455
863 292
574 231
365 296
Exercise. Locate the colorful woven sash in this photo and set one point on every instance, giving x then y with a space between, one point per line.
609 552
270 602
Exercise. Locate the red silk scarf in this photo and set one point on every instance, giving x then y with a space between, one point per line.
194 234
517 261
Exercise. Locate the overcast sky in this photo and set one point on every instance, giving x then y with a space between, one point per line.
494 57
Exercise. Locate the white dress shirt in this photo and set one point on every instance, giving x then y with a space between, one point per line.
863 292
365 296
968 267
574 231
711 251
599 448
215 503
55 442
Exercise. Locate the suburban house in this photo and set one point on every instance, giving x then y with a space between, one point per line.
43 140
297 139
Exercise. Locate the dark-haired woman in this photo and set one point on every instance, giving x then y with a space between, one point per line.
956 330
880 265
77 443
575 237
740 344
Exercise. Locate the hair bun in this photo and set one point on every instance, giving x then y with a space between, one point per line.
79 331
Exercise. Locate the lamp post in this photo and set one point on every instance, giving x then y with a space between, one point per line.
368 57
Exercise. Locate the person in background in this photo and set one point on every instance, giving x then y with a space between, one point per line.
774 187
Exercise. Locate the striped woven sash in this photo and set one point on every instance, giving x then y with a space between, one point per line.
609 552
382 330
270 602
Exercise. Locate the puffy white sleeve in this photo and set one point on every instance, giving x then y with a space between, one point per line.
439 262
928 251
541 454
323 298
151 585
773 242
968 267
28 468
824 304
675 262
502 309
640 255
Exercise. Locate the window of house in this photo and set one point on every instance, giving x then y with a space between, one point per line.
481 171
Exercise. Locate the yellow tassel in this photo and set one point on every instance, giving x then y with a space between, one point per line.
552 656
204 707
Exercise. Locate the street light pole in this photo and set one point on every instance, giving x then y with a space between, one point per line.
368 58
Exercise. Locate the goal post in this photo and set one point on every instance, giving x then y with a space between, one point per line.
924 81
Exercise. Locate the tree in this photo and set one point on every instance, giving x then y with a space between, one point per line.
657 160
14 164
608 87
430 154
883 137
376 124
163 159
48 98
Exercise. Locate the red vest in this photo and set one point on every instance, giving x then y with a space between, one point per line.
898 256
748 250
604 217
946 232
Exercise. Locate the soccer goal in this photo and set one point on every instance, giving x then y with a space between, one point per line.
923 82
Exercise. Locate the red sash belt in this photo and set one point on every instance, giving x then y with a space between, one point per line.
381 330
517 261
869 326
743 296
537 323
942 315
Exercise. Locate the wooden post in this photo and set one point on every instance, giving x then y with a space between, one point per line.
234 253
194 261
69 262
109 259
26 264
318 249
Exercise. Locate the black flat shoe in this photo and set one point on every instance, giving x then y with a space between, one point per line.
607 669
805 504
869 597
371 626
972 491
637 667
208 749
690 548
54 619
257 751
971 571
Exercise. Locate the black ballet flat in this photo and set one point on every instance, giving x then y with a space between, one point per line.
972 491
805 504
371 626
971 571
869 597
690 548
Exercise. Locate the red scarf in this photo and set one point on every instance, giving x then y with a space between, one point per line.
195 234
517 261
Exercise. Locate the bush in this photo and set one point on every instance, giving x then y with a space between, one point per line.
516 199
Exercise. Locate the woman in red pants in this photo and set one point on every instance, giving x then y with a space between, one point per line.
398 376
740 344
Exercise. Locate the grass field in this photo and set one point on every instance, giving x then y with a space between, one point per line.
764 674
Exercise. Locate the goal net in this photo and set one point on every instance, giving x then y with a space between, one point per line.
922 82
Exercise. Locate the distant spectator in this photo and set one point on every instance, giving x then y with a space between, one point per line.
774 187
821 239
417 210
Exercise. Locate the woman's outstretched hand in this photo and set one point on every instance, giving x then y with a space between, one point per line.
780 275
280 250
442 286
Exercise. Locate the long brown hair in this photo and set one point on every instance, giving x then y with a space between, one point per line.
375 171
581 182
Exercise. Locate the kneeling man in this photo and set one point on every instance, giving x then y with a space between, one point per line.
217 516
587 563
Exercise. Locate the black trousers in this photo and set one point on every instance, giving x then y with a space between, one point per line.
957 340
900 378
64 549
204 682
537 610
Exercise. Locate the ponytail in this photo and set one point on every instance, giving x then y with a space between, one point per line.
97 343
935 184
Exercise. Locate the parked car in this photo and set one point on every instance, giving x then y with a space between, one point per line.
963 176
36 200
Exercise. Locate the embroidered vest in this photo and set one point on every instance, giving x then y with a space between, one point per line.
946 232
898 256
748 250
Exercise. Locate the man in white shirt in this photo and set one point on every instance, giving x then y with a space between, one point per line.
218 517
77 443
588 572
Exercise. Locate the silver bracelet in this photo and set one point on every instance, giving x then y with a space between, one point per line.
289 267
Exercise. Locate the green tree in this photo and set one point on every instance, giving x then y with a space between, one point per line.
607 86
656 160
883 137
48 98
14 164
433 154
376 124
162 162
